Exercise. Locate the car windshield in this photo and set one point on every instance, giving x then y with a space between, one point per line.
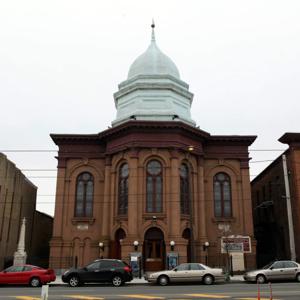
268 265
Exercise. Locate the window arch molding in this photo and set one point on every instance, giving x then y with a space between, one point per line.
155 184
82 167
84 194
222 195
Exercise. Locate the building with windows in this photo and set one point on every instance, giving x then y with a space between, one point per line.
270 205
153 185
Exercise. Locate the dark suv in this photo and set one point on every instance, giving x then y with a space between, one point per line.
113 271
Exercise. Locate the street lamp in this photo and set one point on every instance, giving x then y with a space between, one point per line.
101 246
172 244
205 248
136 244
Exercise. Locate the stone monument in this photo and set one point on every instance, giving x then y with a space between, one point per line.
20 255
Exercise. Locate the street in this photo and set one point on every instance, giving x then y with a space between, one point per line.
237 291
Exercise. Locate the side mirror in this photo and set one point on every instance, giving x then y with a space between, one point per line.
175 270
271 268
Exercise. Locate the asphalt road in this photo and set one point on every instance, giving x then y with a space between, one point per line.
237 291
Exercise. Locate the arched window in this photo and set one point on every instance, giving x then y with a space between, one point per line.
184 189
154 187
84 195
123 190
222 195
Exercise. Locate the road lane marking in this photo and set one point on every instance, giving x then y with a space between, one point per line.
255 298
207 296
25 298
83 297
142 296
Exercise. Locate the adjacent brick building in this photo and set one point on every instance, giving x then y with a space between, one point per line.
270 208
18 200
154 184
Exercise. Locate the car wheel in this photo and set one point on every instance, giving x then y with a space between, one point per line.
260 279
34 282
163 280
74 281
117 280
298 277
208 280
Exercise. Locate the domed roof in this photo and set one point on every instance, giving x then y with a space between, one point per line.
153 62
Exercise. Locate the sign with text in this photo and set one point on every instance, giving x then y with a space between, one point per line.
236 244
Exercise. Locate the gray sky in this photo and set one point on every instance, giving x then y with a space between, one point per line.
61 62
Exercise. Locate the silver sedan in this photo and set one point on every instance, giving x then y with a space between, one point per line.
188 272
278 270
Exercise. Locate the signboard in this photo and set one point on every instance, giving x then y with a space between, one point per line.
236 244
172 260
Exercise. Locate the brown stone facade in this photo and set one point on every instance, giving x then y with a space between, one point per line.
76 240
270 207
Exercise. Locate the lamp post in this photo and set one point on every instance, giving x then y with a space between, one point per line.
172 244
205 248
101 246
136 245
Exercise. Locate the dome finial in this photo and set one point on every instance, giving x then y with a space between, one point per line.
153 33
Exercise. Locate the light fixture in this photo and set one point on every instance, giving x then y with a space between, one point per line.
136 244
172 244
205 246
191 148
101 245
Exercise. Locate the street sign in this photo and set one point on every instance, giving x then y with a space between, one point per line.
236 244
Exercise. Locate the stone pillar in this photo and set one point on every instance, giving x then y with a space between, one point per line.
106 207
174 196
201 208
133 194
58 224
20 255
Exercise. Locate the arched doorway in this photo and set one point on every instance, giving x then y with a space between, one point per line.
116 244
154 250
187 235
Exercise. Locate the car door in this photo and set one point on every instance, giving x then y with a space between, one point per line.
12 275
196 272
26 274
276 271
107 270
180 273
90 272
290 270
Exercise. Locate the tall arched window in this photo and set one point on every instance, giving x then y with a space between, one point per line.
154 187
123 190
222 195
184 189
84 195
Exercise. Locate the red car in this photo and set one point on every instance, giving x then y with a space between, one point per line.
27 274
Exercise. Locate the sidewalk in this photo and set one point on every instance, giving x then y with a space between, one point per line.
58 281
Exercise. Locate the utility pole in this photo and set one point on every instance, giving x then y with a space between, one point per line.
289 209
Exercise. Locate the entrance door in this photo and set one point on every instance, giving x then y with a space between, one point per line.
154 250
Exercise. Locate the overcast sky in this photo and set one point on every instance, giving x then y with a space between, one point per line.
61 62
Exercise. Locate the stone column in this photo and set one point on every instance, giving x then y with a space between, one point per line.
201 207
174 196
59 201
20 255
133 194
106 206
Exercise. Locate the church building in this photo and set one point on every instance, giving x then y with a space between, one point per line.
153 188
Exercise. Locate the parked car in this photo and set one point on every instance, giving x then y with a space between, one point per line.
187 272
27 274
112 271
278 270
